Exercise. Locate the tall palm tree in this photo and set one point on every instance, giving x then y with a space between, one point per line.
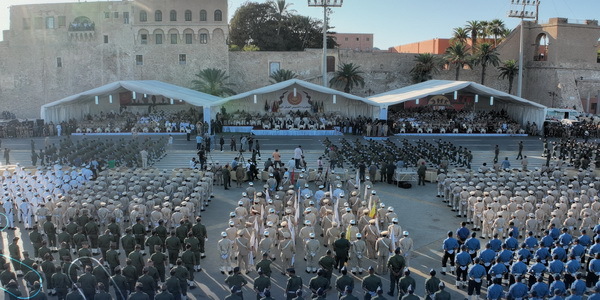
214 82
282 75
509 69
460 35
347 75
458 55
496 27
280 10
475 28
426 65
486 55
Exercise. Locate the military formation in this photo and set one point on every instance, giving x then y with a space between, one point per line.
138 231
533 233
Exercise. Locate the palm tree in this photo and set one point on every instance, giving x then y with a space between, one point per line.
347 75
475 28
280 11
458 55
509 69
460 35
427 64
486 55
496 27
214 82
282 75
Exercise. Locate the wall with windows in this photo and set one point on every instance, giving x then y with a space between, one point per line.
55 50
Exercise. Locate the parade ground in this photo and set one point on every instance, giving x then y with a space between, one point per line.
420 212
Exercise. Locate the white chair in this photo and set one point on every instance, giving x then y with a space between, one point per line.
499 130
181 129
429 130
78 130
107 129
443 130
455 130
402 130
302 126
145 130
99 130
156 129
322 127
482 130
420 130
169 129
521 131
469 130
510 131
117 129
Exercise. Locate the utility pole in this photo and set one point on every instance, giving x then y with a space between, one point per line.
325 4
522 9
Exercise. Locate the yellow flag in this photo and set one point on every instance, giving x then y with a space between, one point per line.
348 234
373 211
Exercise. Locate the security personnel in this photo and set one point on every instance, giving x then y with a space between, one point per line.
188 260
342 249
120 285
112 257
432 285
61 283
265 265
15 253
396 265
236 279
463 260
294 283
88 283
343 281
104 242
319 283
327 263
442 294
199 231
128 241
261 284
160 260
371 283
476 274
149 285
173 244
406 284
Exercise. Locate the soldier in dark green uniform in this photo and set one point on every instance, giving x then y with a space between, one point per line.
164 294
236 279
31 276
70 269
148 283
43 251
199 231
6 276
92 230
442 294
12 290
294 284
348 294
261 283
341 248
115 231
85 254
102 294
61 284
327 263
431 285
64 251
267 296
75 294
152 241
15 254
173 285
405 282
139 232
49 269
131 274
173 246
27 262
396 264
162 232
195 243
265 265
64 237
371 283
379 295
101 275
88 283
78 239
138 294
411 294
128 241
189 261
343 281
235 293
112 257
319 282
36 239
104 241
160 261
50 231
120 285
182 274
137 259
72 228
181 231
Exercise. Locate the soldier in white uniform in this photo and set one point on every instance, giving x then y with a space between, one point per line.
358 252
311 249
225 246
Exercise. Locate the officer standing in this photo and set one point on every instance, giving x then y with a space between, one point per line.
343 281
261 284
396 265
371 283
294 284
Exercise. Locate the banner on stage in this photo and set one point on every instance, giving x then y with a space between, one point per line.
287 102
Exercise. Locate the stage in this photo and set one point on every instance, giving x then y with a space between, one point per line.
283 132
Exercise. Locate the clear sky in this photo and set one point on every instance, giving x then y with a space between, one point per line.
397 22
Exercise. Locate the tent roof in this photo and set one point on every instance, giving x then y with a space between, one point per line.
284 84
150 87
437 87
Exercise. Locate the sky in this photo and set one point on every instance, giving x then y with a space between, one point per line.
397 22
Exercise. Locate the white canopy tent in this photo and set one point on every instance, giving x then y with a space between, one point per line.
106 98
333 100
486 99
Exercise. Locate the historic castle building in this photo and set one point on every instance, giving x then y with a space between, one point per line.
55 50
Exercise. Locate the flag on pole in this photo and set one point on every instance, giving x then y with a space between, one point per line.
348 234
251 255
297 207
373 211
357 180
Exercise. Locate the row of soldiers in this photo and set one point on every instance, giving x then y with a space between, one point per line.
299 223
537 222
579 154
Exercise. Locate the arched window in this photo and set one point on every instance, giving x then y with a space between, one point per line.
143 16
158 16
218 15
173 16
188 15
541 47
203 15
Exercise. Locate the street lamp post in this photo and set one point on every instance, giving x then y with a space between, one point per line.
552 94
325 4
522 11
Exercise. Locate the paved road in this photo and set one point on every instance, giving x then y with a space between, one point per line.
420 212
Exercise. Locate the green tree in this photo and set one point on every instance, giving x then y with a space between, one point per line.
348 76
426 65
280 10
475 28
460 35
486 55
458 55
282 75
496 28
509 69
213 81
